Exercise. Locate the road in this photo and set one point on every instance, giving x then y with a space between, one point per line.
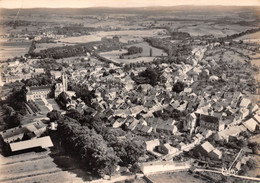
219 172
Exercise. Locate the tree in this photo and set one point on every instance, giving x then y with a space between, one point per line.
178 87
89 146
255 150
151 75
151 52
14 120
54 115
134 152
242 143
251 164
134 50
8 110
112 71
74 114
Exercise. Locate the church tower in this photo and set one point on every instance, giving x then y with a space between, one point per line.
64 82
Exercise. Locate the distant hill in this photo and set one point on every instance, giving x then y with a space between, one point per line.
145 10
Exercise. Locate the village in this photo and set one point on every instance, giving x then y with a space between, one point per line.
101 95
188 117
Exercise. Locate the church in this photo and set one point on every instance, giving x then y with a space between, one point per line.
38 92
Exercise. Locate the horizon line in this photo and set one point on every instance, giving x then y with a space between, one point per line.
114 7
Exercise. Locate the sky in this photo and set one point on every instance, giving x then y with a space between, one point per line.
119 3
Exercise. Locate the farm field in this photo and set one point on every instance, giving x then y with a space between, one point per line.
233 57
10 49
256 63
136 35
33 167
183 177
43 46
145 56
247 52
255 37
217 30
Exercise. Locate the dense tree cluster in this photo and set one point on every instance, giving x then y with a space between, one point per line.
74 30
17 100
176 52
18 23
149 76
90 146
63 99
77 50
178 87
179 35
134 50
50 64
237 35
251 164
60 52
54 115
32 47
14 107
84 93
127 150
46 40
39 80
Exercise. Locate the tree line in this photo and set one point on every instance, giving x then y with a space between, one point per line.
99 147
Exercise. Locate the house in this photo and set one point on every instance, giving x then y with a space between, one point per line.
207 150
144 88
36 92
211 122
244 112
146 129
181 146
118 122
39 70
166 128
213 78
112 93
207 133
166 149
190 122
56 74
257 118
136 110
43 142
151 144
163 166
250 124
133 124
33 130
215 154
244 102
232 131
254 108
129 86
182 106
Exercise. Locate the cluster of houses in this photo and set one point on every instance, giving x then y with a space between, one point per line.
17 71
146 109
26 136
123 103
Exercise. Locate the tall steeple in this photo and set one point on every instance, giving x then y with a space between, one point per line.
64 82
